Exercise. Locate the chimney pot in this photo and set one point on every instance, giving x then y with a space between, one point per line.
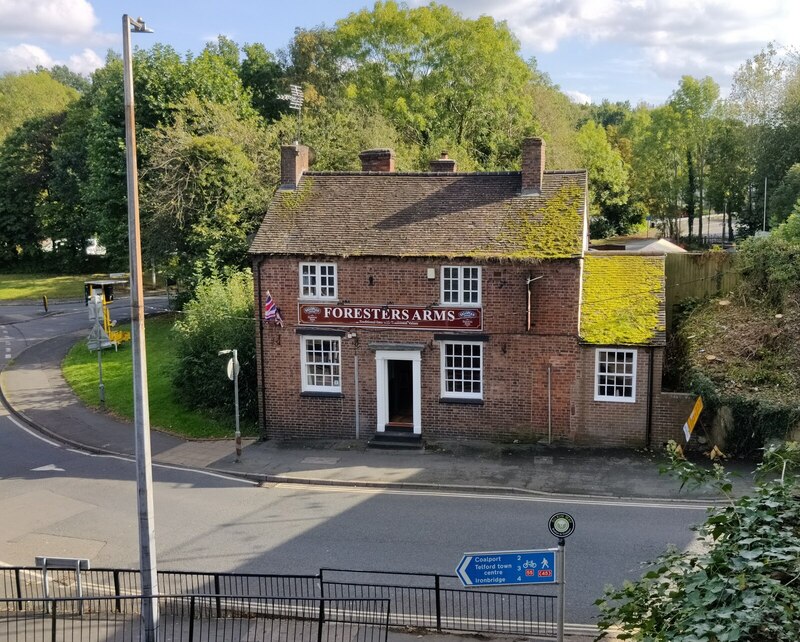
377 160
532 165
294 161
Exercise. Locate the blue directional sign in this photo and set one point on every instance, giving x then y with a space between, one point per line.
508 567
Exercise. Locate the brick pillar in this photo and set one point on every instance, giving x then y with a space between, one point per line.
532 165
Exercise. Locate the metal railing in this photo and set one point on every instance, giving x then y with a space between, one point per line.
195 618
420 600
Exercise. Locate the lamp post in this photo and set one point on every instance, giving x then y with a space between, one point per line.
141 411
233 373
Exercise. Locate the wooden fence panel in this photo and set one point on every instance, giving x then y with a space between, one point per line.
697 275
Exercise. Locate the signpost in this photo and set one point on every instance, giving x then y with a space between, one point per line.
536 566
688 427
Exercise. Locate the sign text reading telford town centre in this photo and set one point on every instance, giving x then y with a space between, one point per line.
391 316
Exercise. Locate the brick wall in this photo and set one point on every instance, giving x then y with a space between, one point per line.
515 399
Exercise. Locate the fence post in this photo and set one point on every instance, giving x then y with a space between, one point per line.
216 592
53 622
117 602
438 604
321 619
191 618
19 588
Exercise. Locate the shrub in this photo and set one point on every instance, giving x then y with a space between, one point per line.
219 317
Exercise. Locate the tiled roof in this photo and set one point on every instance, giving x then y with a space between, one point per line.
623 300
426 214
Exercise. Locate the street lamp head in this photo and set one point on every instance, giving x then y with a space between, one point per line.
138 25
221 352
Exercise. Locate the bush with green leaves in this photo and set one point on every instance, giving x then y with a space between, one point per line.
219 317
744 585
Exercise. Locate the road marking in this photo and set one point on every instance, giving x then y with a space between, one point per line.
47 468
33 433
595 501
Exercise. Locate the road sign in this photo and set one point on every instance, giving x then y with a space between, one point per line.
561 525
508 567
688 427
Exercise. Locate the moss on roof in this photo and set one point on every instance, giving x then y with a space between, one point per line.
622 297
549 230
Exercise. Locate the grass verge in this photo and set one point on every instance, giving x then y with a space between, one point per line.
28 287
166 409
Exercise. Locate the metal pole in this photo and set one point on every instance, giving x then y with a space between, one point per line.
141 412
549 405
562 580
358 422
238 433
764 227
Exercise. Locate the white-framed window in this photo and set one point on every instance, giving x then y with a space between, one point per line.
462 369
615 375
321 364
461 285
318 280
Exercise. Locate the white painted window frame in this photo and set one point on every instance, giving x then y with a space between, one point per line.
305 386
460 292
316 294
446 394
632 375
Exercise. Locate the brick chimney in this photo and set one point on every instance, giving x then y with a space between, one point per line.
294 161
377 160
442 164
532 165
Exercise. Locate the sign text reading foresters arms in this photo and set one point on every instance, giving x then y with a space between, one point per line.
390 316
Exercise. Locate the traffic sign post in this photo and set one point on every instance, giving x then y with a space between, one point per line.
561 525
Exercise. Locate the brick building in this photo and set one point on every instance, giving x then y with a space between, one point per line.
447 304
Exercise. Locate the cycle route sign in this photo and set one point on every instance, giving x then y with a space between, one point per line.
508 567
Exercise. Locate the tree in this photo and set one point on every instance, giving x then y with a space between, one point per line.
68 78
203 190
264 77
29 95
729 172
696 101
608 177
742 585
785 195
25 169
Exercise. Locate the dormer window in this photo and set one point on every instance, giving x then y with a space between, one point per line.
461 285
318 281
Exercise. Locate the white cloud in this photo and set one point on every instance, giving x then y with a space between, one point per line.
62 20
673 36
22 57
578 97
85 62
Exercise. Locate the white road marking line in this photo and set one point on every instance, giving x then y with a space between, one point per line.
33 433
515 498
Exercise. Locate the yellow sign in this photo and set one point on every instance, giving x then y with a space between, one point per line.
688 427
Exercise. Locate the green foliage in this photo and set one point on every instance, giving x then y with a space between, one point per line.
621 296
743 584
30 95
785 196
608 175
770 268
789 230
219 317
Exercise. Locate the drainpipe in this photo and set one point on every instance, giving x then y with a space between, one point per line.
260 360
549 404
649 430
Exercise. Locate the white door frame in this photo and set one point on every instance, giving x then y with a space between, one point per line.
382 358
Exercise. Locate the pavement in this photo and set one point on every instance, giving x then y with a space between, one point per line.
35 392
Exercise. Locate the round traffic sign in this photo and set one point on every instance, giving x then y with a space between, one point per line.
561 524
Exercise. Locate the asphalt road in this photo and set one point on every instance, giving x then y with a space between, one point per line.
55 501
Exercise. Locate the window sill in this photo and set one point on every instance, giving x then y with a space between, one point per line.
328 395
465 401
616 399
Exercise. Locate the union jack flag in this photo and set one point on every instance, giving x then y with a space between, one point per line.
271 311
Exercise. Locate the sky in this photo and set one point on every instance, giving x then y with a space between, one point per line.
635 50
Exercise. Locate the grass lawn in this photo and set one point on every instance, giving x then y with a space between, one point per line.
14 287
166 410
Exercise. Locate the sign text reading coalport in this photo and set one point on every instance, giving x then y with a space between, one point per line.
508 567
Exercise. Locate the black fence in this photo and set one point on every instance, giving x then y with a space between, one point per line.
194 618
420 600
